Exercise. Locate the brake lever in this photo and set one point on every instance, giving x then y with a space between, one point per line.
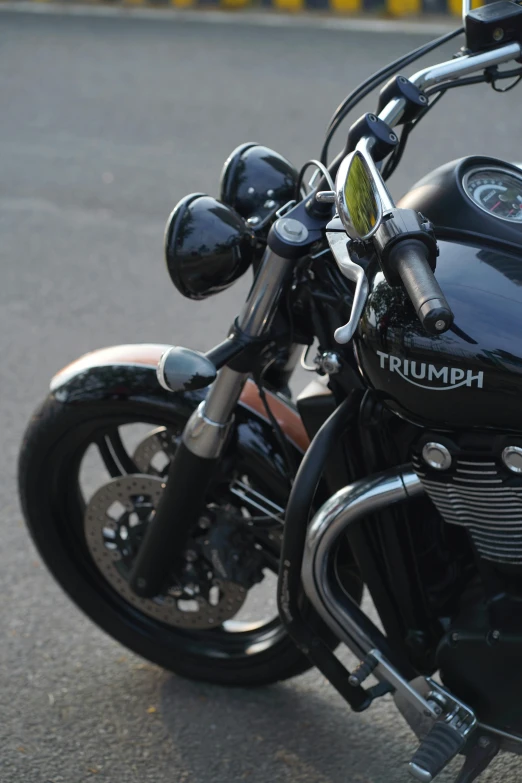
339 245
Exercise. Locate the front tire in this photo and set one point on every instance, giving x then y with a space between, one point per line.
53 503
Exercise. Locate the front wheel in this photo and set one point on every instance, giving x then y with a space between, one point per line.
89 479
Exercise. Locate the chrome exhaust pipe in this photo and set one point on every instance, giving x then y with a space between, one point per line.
348 506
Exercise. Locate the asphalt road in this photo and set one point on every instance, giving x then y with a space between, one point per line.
104 125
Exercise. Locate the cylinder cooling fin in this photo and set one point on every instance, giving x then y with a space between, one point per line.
476 482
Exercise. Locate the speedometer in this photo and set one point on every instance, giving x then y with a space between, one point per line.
497 191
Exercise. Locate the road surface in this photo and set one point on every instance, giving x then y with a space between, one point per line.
105 124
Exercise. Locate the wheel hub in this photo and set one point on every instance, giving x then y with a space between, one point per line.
116 518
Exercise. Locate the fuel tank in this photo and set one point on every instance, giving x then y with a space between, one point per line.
471 376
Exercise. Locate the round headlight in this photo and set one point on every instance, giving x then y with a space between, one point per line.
208 246
256 182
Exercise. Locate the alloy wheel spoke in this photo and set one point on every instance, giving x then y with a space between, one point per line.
114 454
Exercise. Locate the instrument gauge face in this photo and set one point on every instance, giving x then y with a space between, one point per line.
496 191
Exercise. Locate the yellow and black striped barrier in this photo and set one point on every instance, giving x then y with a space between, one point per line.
386 8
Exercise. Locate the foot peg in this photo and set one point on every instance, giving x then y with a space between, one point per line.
437 749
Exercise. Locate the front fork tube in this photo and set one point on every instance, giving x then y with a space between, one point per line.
204 439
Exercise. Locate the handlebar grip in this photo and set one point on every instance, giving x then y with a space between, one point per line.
410 260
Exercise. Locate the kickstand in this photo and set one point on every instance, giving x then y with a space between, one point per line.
481 754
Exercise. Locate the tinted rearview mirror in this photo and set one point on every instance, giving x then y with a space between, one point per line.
357 198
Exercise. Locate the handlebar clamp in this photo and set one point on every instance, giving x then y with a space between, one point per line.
401 87
371 127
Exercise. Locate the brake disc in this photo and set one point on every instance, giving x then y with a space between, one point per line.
155 451
115 520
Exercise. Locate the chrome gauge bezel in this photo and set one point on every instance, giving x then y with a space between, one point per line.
502 170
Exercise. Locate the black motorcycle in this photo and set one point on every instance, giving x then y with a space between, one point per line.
161 485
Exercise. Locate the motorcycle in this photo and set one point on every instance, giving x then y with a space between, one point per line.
161 485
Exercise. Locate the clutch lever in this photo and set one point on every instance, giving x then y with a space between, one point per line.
339 245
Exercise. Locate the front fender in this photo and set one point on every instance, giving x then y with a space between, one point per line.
127 373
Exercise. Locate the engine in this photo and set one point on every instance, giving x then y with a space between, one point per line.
475 480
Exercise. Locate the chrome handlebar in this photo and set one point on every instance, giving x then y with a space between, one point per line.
392 113
448 71
465 65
